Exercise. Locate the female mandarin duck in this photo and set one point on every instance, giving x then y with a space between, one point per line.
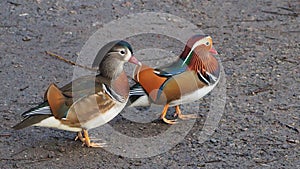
89 101
193 75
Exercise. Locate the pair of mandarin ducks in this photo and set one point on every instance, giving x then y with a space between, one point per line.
91 101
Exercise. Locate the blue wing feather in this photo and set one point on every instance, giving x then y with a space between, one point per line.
175 68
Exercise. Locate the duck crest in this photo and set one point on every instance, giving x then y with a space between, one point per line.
200 59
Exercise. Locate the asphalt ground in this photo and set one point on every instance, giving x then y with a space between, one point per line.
258 45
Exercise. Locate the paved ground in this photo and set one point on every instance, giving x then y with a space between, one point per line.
258 42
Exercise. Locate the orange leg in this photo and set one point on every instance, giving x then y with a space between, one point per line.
183 116
163 115
80 137
86 139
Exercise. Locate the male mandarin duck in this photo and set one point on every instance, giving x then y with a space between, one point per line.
193 75
89 101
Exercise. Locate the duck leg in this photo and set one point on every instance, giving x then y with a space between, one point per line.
163 116
86 139
183 116
80 137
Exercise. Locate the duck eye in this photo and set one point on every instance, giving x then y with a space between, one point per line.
207 43
122 52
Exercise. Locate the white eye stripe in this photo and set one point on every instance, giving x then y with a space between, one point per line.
198 43
128 55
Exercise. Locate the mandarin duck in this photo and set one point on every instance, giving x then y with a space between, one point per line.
193 75
89 101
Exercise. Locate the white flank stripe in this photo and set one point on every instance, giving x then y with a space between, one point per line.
141 101
52 122
195 95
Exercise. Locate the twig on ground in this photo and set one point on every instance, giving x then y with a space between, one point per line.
18 152
70 62
277 13
262 89
5 135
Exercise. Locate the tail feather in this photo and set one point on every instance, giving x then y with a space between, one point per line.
34 115
137 96
40 109
30 120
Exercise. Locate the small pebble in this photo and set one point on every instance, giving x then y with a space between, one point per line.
285 146
23 14
26 38
51 154
212 140
61 149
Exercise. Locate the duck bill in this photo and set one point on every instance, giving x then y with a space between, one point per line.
134 61
213 51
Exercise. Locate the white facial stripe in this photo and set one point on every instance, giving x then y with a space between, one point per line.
128 55
198 43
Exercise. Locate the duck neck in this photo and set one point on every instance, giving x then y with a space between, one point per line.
111 68
202 62
195 61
